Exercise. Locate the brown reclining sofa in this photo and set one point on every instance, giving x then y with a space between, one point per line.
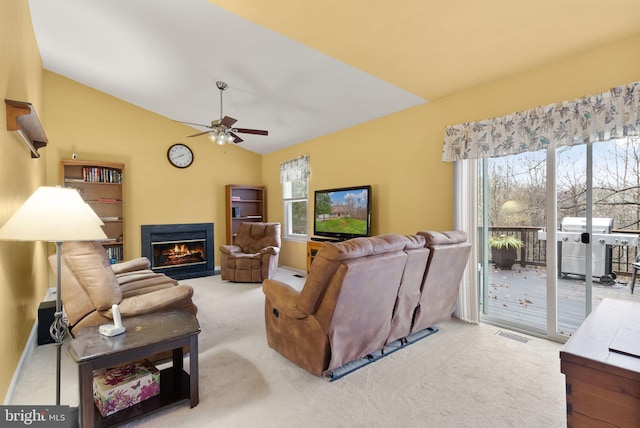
363 294
90 286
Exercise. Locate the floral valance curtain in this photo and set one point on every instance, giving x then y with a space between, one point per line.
295 169
601 117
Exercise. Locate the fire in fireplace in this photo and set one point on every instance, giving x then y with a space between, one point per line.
178 253
179 250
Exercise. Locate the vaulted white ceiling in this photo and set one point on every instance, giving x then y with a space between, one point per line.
303 69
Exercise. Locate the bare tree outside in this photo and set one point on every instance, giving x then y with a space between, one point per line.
517 185
517 189
616 186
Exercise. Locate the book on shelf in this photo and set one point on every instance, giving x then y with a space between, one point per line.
253 216
110 218
74 180
236 198
115 254
101 175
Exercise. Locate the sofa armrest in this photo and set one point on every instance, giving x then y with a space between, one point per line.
283 297
230 249
141 285
140 263
178 297
131 279
270 250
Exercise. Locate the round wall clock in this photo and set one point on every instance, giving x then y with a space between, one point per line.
180 155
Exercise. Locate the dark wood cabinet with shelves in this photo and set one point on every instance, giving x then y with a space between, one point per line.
100 185
244 204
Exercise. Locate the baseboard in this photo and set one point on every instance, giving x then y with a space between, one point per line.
302 273
25 352
31 341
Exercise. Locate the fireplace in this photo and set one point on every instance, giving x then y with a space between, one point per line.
179 251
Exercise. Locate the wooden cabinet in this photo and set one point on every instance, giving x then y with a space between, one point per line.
100 185
244 204
312 249
603 385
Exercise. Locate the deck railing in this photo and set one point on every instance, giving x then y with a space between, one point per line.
534 251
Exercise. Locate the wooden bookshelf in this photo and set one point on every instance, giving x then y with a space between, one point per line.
244 204
100 185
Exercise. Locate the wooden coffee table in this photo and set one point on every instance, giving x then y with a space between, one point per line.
146 335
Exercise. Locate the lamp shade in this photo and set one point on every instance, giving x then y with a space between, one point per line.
54 214
93 214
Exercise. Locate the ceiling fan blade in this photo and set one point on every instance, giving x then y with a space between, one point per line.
199 133
190 123
236 139
228 121
250 131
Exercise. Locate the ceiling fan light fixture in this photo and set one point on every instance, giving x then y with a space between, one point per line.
213 136
221 130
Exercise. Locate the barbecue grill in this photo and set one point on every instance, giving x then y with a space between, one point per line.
572 251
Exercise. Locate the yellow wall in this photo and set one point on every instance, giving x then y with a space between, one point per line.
23 268
399 155
96 126
398 164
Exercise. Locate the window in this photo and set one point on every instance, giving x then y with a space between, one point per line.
294 176
295 197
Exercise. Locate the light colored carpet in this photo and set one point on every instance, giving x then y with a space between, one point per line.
463 376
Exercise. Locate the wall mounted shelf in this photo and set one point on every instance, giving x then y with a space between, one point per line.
21 117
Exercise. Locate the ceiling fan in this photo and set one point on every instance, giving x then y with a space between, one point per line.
221 131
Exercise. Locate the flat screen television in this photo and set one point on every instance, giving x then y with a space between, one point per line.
342 213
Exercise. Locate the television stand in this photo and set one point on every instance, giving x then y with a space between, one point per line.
312 249
314 244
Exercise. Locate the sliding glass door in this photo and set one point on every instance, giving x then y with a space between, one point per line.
573 231
556 229
511 213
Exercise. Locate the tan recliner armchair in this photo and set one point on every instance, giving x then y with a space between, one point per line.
253 257
90 286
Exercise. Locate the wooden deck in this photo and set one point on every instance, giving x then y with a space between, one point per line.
519 296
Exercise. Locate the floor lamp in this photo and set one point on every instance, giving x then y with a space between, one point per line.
54 214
